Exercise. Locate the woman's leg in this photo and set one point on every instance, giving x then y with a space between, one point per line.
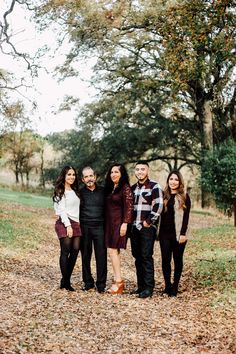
166 253
115 261
63 261
178 252
68 256
74 251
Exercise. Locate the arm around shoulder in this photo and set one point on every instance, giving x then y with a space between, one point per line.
128 204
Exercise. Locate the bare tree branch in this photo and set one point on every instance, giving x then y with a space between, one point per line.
5 36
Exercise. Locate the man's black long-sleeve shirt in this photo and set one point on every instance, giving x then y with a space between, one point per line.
92 205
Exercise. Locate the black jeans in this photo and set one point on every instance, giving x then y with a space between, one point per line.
68 256
171 247
142 244
93 236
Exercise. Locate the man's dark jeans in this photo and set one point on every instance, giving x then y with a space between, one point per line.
93 235
142 244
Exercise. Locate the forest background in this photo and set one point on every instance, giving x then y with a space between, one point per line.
164 74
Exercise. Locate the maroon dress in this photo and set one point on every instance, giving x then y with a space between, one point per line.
119 209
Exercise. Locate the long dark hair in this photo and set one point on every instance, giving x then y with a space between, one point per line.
124 179
180 193
59 184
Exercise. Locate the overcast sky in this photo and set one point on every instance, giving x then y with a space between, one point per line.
45 89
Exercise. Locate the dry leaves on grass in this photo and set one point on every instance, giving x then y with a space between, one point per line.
38 317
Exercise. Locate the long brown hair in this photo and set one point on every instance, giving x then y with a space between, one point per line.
124 179
59 184
181 196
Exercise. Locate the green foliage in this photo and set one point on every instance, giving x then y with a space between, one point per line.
19 149
165 76
79 150
219 173
164 72
50 174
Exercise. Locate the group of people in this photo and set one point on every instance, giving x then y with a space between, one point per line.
103 218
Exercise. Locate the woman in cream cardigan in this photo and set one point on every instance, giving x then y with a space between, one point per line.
67 205
173 229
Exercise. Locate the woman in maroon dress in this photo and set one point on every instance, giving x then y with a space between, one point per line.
119 209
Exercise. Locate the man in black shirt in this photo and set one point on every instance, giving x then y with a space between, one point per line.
92 226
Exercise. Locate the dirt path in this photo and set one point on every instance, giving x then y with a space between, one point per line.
38 317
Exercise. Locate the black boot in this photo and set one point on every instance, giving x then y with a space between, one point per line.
62 284
167 289
69 288
174 289
68 285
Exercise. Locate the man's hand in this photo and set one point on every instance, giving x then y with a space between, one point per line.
145 224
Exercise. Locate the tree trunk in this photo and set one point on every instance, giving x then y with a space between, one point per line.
42 179
16 171
207 126
207 145
234 211
27 178
22 178
17 176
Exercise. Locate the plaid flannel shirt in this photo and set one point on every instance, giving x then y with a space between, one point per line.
148 203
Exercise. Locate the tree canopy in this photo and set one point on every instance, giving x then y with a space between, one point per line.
165 74
165 77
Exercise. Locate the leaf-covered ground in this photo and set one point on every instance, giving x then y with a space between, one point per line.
38 317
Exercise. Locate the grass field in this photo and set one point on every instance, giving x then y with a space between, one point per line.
24 198
214 260
18 226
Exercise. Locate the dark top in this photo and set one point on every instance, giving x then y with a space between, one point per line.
92 205
167 226
119 209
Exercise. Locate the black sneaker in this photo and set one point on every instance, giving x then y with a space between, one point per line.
136 291
101 290
145 293
87 287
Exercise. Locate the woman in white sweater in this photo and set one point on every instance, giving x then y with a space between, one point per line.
66 204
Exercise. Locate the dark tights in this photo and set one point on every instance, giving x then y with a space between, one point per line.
68 256
169 247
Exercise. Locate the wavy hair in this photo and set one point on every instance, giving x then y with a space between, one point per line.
59 184
124 179
181 196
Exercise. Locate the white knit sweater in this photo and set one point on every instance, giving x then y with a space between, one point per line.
68 207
